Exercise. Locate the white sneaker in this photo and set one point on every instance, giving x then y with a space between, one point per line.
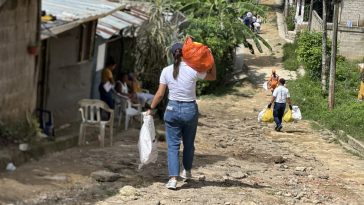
171 184
186 174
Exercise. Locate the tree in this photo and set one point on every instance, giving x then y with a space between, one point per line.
228 15
286 8
331 99
154 37
310 16
324 46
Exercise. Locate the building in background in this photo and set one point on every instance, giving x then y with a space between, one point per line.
77 37
18 73
66 57
351 27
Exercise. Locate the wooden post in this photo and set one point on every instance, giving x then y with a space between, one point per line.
310 16
333 56
324 46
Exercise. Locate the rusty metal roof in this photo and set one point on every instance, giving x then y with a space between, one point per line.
71 13
112 25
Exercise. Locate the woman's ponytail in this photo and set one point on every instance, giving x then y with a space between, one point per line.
177 61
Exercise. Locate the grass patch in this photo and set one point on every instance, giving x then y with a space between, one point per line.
290 61
347 115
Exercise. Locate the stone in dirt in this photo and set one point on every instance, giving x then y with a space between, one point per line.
324 177
300 169
55 177
129 192
300 173
105 176
278 159
239 175
222 145
201 178
283 166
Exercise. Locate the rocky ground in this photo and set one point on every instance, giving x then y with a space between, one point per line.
238 160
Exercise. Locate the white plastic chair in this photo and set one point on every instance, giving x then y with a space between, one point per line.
90 110
123 105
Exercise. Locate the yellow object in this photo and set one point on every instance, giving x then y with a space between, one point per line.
268 115
47 18
288 116
136 86
197 43
361 91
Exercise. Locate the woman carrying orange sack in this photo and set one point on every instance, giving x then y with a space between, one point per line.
273 80
181 116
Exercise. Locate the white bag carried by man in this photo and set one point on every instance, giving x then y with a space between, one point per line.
147 145
296 113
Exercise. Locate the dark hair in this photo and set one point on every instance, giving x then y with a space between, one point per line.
282 81
177 55
110 62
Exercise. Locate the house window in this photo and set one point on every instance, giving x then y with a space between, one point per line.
87 37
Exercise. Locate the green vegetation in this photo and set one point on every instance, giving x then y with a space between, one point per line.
215 23
19 132
290 61
290 19
306 91
309 52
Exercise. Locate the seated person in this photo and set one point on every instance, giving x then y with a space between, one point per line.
143 97
122 87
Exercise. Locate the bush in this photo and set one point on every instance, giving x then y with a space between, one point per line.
290 61
290 21
222 46
347 115
309 52
23 131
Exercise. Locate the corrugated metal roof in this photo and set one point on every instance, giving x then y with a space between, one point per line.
112 25
71 13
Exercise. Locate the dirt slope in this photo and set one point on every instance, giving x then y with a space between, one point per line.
238 161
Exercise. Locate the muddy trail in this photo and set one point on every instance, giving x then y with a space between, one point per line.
237 161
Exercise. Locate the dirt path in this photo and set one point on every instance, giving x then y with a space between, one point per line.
238 161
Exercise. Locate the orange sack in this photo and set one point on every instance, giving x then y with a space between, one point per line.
197 56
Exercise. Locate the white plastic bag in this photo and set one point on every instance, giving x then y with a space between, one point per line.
265 85
296 113
147 144
107 86
260 115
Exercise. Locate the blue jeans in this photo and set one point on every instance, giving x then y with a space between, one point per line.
181 124
278 112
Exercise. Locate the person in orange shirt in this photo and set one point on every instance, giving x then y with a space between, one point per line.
273 80
107 82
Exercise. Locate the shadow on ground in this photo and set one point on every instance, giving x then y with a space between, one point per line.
226 183
72 168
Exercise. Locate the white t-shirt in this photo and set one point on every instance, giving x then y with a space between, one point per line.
124 87
184 87
281 94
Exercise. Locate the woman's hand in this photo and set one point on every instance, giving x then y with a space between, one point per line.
150 112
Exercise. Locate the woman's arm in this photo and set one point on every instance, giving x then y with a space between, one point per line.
211 74
158 96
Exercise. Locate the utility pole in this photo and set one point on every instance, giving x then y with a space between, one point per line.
333 55
310 16
324 46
